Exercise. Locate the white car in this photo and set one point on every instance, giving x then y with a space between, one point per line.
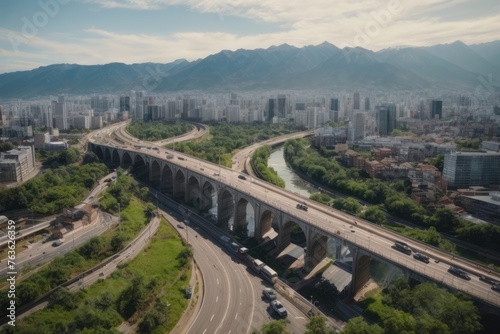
279 308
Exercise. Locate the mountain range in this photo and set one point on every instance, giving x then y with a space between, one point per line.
445 66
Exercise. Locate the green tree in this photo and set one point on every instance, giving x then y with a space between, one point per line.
399 322
92 249
375 215
359 326
275 327
438 162
317 325
132 298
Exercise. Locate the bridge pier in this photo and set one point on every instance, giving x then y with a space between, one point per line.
360 270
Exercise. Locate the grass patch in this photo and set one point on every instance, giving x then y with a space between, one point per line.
165 280
373 305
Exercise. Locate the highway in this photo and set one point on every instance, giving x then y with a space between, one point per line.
232 300
329 221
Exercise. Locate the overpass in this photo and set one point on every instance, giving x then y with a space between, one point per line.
205 185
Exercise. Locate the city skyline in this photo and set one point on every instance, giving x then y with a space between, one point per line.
39 33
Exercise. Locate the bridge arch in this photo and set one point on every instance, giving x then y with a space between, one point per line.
243 226
208 196
107 156
99 153
194 192
156 174
225 209
126 161
141 168
115 159
167 180
180 185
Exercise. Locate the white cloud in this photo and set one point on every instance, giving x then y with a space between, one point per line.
373 24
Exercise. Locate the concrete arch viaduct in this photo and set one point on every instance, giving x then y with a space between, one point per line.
200 184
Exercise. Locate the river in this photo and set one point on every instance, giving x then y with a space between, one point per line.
293 182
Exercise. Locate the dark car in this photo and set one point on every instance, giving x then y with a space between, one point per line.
459 272
269 294
241 177
421 257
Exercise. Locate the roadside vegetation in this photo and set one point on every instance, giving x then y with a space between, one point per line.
317 325
424 308
148 292
266 173
225 139
390 197
158 130
62 186
134 217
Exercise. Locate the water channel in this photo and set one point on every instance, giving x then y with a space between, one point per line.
293 182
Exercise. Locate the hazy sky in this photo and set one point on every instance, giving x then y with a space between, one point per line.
35 33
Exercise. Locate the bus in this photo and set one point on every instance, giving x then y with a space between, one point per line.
257 265
269 274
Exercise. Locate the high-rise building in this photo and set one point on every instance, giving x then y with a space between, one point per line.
359 125
386 118
283 106
271 109
139 105
356 102
465 169
124 103
334 104
367 103
60 115
436 109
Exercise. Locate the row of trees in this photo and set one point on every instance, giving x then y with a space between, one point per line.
424 309
226 138
389 196
259 161
158 130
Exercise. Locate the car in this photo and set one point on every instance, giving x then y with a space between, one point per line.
279 308
241 177
488 280
459 272
180 225
189 292
216 174
269 294
421 257
302 206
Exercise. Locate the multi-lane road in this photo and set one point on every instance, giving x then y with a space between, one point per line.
232 294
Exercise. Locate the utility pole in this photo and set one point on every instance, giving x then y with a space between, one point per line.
119 218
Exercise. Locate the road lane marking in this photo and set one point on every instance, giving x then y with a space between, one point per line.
212 318
217 280
217 299
204 331
236 316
